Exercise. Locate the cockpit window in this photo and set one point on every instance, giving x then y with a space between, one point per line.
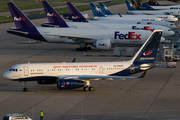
13 70
169 29
10 69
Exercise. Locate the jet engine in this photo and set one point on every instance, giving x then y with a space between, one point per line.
69 84
43 82
102 44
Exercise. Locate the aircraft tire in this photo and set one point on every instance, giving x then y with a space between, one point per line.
25 89
91 88
86 88
89 48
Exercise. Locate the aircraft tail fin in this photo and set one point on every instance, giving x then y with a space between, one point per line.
135 5
96 11
20 20
147 53
130 6
75 14
52 15
104 9
143 4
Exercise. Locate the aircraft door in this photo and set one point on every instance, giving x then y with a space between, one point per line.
100 69
26 71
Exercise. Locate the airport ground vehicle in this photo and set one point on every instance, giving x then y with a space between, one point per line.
16 117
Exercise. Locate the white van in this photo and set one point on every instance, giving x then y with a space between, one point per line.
16 117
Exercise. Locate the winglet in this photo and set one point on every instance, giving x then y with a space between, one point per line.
96 11
104 9
20 20
52 15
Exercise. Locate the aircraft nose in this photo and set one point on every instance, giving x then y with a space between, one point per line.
5 75
172 33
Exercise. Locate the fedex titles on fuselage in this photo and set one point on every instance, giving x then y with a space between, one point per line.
129 35
144 28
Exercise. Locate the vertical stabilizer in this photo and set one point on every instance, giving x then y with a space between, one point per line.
96 11
147 53
104 9
130 6
20 20
52 15
141 3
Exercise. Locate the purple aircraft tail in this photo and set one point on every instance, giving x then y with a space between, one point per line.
75 14
24 27
20 20
53 17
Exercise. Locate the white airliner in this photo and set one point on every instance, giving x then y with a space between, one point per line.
76 75
99 38
145 5
78 17
56 20
134 11
98 15
108 13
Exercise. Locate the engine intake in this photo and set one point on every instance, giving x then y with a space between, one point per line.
69 84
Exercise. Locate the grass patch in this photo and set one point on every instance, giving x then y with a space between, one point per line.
65 10
25 5
6 19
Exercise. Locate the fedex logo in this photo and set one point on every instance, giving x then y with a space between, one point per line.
130 35
75 17
19 19
144 28
103 44
51 15
149 23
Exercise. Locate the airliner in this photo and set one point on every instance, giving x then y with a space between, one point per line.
107 12
79 74
82 19
99 38
146 6
134 11
98 15
56 21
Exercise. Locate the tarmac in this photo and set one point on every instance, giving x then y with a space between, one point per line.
155 97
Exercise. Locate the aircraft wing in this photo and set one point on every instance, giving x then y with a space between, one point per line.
94 77
75 38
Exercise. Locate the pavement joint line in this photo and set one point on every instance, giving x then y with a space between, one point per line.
118 88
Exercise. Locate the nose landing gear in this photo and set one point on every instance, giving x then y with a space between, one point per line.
24 83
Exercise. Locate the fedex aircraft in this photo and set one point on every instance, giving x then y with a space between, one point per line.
56 21
148 7
134 11
82 19
99 38
98 15
75 75
107 12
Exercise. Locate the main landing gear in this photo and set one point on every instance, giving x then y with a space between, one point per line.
24 83
88 87
83 48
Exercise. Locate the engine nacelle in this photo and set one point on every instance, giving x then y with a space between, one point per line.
85 16
69 84
43 82
102 44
